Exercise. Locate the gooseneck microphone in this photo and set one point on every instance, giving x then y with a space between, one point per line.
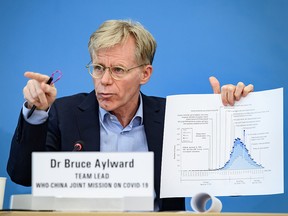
78 145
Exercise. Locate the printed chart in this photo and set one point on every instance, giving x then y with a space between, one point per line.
223 150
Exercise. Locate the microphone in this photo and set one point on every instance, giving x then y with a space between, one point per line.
78 145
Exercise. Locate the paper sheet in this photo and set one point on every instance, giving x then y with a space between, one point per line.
223 150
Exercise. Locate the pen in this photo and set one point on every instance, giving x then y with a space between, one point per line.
34 107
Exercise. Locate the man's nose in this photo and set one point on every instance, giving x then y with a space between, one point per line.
107 77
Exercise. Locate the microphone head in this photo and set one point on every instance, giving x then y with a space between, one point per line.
78 146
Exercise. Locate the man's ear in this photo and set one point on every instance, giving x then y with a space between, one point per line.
146 74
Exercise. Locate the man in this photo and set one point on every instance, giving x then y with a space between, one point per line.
115 117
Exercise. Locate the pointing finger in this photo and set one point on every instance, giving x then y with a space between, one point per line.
36 76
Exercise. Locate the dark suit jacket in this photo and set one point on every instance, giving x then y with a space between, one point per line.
76 118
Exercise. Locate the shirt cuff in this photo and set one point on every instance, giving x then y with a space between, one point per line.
38 116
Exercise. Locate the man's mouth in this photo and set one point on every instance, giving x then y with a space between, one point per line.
104 95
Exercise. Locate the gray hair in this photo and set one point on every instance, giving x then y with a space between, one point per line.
113 32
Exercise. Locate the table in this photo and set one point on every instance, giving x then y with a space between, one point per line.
43 213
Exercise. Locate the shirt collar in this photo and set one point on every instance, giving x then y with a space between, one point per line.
138 115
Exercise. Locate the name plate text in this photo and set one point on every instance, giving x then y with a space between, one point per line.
92 174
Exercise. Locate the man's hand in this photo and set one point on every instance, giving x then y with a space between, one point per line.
230 93
37 92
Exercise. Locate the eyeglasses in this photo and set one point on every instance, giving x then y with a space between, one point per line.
117 72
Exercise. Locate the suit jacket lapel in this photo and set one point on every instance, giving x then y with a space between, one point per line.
154 114
88 122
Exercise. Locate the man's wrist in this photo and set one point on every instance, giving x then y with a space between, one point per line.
38 117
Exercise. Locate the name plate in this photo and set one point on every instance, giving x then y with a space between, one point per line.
92 174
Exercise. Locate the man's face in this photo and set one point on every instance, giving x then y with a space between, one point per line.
120 96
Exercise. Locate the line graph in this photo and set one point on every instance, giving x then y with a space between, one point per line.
240 167
223 150
234 161
240 158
